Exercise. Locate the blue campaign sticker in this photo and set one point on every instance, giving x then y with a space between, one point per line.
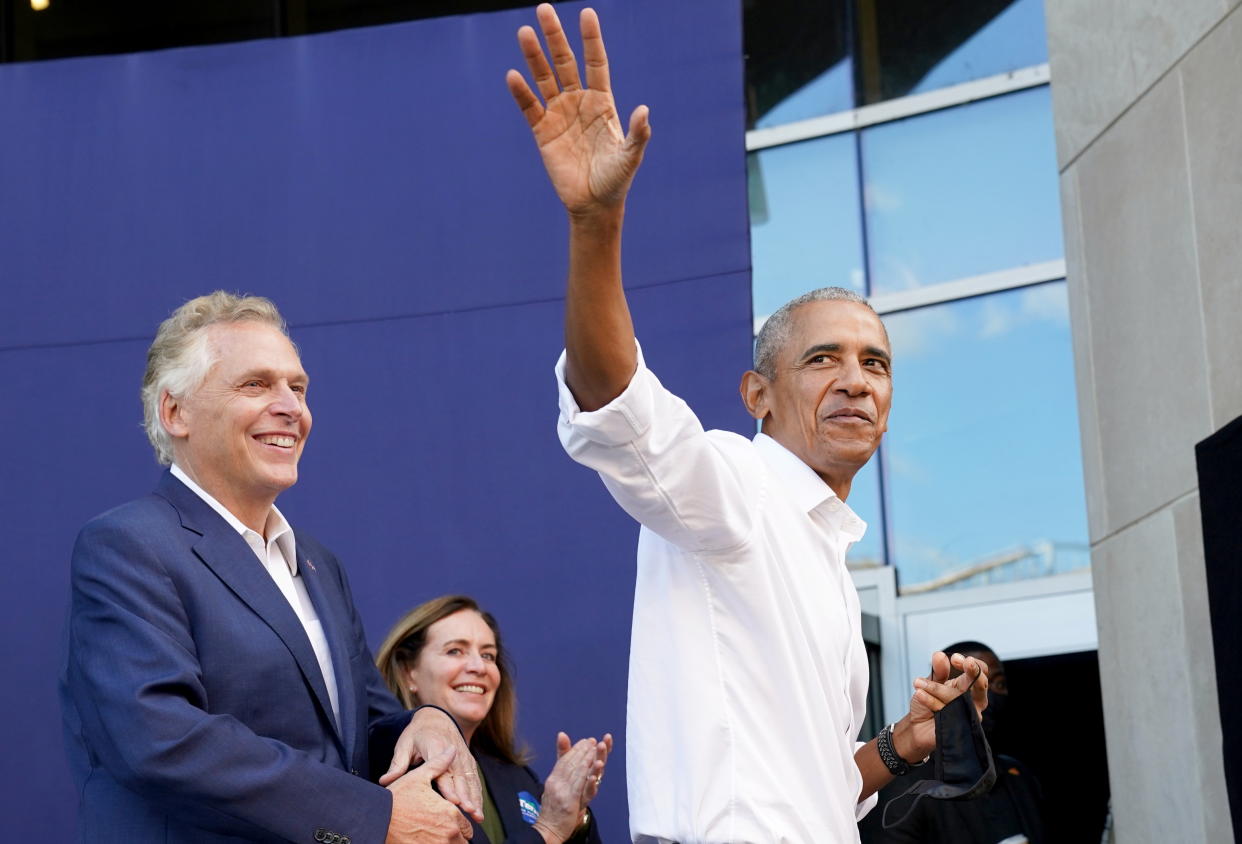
529 806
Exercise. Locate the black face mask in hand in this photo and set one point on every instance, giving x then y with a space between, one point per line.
963 761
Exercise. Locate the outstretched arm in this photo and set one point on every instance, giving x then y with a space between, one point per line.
591 164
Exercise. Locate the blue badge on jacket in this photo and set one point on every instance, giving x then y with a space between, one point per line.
529 806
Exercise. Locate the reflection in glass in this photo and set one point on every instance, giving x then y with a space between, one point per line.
797 60
1013 39
805 230
864 500
984 476
826 93
910 46
963 191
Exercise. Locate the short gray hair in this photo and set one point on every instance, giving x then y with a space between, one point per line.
181 356
776 330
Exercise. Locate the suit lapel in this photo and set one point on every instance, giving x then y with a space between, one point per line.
224 551
504 782
332 623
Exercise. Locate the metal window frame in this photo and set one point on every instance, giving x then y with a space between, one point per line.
962 288
902 107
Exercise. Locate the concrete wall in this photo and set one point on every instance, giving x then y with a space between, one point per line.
1149 136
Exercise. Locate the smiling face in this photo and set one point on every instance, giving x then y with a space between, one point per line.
828 401
457 669
241 433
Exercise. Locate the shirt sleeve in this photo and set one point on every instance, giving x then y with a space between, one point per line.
699 490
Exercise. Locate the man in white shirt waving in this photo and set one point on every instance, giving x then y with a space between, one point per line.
748 676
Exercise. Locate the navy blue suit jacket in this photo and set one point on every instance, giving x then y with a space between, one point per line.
194 707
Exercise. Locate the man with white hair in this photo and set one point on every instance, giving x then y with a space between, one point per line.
218 685
748 675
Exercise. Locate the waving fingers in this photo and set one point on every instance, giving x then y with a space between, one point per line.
540 70
526 100
558 45
593 52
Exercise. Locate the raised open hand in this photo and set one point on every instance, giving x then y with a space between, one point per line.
571 785
590 162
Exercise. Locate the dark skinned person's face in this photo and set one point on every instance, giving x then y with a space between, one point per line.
829 400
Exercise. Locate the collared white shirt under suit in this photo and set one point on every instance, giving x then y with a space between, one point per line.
278 556
748 675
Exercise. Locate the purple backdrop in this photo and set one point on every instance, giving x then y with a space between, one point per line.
381 187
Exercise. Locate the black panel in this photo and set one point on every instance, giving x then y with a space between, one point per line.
1219 460
89 28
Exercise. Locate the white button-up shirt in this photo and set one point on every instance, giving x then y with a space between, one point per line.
748 674
278 555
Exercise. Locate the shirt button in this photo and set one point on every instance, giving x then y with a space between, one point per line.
834 504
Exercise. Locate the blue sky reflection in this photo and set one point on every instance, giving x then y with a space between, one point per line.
961 192
805 230
983 444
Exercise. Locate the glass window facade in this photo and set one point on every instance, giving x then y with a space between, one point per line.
962 191
905 47
979 479
865 501
798 61
805 231
808 58
983 468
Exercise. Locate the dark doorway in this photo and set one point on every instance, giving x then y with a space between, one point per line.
1054 725
1057 729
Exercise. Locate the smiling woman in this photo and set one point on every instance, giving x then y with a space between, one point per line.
447 652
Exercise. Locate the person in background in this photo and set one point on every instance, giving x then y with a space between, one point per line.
448 652
1010 812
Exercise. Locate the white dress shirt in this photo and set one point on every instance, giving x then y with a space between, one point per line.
748 675
278 554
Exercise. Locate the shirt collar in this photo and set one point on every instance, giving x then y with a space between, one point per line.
277 527
807 489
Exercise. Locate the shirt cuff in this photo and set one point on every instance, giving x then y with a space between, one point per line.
623 420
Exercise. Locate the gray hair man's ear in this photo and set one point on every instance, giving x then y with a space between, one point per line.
171 415
754 390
